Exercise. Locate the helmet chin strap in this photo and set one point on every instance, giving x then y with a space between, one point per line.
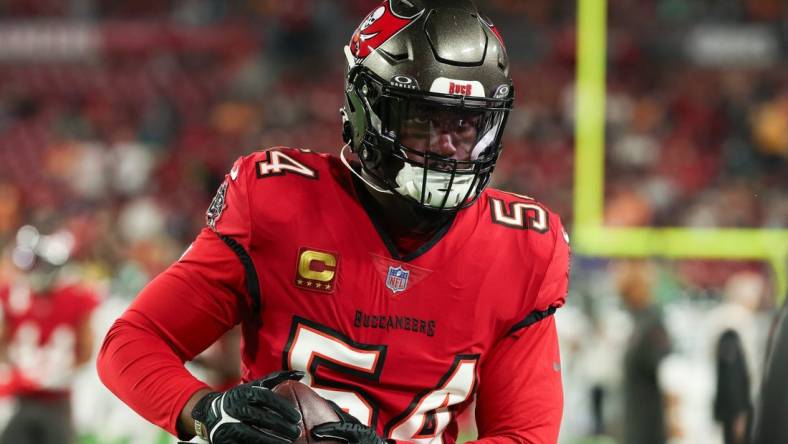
433 191
410 181
363 179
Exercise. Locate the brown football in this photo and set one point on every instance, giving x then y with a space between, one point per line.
314 409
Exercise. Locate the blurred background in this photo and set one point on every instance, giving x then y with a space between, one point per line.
119 119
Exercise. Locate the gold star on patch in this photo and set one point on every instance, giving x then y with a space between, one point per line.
300 281
328 286
308 283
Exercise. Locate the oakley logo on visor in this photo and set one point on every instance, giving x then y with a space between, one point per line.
471 88
406 82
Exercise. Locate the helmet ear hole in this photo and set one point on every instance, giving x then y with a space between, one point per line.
347 128
370 157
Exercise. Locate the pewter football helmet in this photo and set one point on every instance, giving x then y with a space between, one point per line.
427 95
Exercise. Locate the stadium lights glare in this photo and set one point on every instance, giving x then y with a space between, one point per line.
590 236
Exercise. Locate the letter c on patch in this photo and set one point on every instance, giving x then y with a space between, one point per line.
317 266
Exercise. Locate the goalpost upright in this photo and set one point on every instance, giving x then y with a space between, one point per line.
590 236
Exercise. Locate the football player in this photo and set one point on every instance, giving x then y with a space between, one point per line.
391 279
46 336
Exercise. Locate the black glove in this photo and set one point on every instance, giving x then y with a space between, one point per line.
249 413
348 429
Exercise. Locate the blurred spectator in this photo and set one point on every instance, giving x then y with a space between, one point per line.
743 296
770 123
732 406
644 407
10 203
46 337
733 327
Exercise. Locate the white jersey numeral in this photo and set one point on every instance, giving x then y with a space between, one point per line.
521 215
427 421
278 163
311 346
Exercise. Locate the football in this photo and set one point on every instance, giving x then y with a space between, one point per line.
314 409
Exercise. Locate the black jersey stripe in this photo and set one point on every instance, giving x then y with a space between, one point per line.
252 320
531 319
252 283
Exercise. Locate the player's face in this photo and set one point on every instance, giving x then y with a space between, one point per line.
449 133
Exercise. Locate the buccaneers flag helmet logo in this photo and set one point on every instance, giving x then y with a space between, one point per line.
379 26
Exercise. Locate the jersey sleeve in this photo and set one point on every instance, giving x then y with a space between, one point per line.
228 213
550 294
179 314
520 397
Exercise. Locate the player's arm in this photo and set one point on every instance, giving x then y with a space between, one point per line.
176 316
520 396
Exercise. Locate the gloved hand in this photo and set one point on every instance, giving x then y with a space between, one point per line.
348 429
249 413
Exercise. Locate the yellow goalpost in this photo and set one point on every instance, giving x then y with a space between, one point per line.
590 236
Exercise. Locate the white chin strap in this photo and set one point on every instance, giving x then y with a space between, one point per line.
411 178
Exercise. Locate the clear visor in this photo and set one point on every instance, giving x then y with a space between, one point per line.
438 131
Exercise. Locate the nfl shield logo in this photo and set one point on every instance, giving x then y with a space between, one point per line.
397 279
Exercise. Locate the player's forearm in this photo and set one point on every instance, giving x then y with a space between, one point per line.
146 374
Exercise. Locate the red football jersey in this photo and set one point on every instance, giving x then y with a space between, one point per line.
402 343
40 335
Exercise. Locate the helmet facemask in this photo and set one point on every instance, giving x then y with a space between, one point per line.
436 150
